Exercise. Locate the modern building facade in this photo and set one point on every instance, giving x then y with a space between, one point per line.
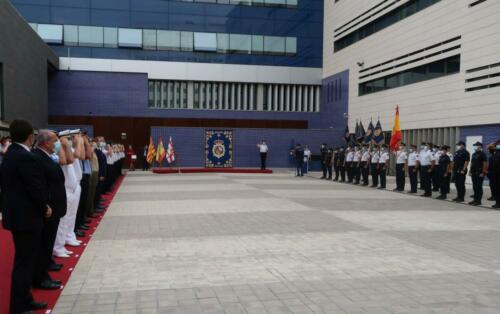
129 66
26 63
439 60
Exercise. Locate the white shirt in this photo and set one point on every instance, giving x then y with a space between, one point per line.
264 149
349 157
375 157
365 156
436 156
401 157
425 158
450 155
307 154
70 178
384 156
412 159
357 156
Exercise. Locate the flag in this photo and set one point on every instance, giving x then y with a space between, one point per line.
170 151
369 133
151 151
378 134
361 133
347 134
396 132
160 151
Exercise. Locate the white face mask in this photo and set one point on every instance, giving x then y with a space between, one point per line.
411 150
478 148
459 147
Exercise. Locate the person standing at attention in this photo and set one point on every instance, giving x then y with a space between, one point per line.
264 149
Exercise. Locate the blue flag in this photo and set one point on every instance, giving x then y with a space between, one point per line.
360 135
378 134
369 133
347 134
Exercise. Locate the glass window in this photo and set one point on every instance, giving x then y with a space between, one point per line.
436 69
128 37
149 39
222 43
90 36
291 3
151 93
51 34
274 44
177 95
157 94
187 41
453 65
169 40
184 95
110 37
272 3
240 43
291 45
70 35
34 26
257 44
392 81
205 42
196 95
164 95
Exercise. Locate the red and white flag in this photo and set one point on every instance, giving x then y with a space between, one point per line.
170 151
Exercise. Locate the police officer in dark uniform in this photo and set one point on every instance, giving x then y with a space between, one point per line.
329 163
336 164
341 164
496 175
323 151
478 170
461 161
444 170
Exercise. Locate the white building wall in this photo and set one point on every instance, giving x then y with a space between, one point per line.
441 102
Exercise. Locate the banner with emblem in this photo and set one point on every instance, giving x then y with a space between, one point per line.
218 148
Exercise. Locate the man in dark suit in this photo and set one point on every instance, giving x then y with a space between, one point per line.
24 207
47 147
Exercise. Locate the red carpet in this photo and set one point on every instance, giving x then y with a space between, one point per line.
210 170
49 296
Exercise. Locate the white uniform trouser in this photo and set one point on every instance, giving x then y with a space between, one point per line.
66 230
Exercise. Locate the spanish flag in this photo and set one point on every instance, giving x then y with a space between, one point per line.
160 152
396 132
151 151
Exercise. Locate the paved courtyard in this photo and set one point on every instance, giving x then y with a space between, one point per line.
234 243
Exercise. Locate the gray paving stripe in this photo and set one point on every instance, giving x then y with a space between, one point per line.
123 227
188 195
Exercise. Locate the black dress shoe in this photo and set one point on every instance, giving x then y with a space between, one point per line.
87 221
80 234
426 195
458 200
496 206
47 285
55 267
491 198
441 197
57 282
38 305
84 227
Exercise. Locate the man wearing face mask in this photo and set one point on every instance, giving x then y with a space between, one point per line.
365 161
461 161
323 151
374 166
341 164
48 149
496 175
383 165
356 165
491 178
401 165
412 168
478 170
426 166
348 163
25 205
444 170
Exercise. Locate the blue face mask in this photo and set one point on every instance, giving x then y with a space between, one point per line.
498 147
57 147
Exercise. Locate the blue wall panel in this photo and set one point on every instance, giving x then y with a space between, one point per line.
189 144
490 133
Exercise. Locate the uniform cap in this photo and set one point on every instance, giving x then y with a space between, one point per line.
478 144
461 143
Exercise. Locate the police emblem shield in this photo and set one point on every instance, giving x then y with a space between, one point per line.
218 148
